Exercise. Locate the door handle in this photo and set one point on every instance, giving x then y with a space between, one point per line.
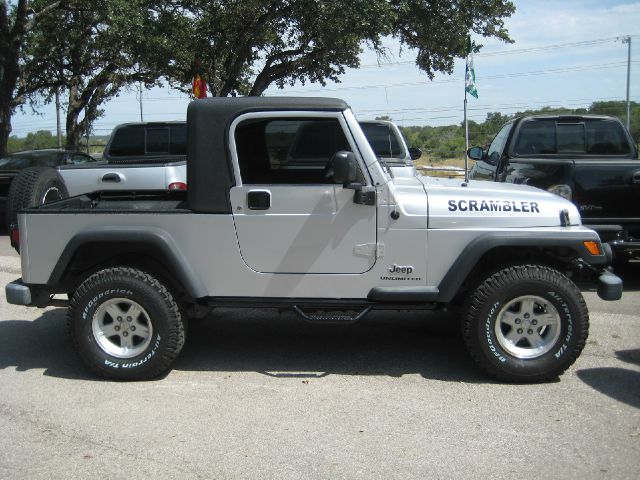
636 177
111 178
259 200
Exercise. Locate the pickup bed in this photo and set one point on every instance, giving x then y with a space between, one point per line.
289 207
590 160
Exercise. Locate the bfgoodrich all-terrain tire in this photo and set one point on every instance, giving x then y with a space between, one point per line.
526 323
125 324
34 186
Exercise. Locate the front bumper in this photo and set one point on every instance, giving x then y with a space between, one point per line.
609 286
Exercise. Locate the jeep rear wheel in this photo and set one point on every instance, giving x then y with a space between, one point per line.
526 324
125 324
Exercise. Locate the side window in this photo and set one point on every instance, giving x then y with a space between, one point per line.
497 146
536 137
287 150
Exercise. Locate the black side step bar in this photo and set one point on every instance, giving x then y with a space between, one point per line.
336 317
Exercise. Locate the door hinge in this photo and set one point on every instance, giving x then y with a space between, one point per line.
369 249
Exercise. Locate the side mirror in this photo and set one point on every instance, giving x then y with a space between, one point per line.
415 153
342 167
475 153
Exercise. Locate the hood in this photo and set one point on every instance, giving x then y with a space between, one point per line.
492 205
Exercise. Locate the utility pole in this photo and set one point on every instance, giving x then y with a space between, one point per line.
140 98
627 40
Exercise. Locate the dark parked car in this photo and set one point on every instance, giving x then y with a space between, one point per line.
12 165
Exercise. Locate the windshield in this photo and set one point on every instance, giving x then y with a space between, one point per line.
19 161
383 140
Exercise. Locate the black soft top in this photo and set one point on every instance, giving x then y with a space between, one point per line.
209 169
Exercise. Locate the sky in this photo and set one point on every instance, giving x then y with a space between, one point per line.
565 53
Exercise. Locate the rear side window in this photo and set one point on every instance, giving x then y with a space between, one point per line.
127 141
588 136
606 137
287 151
536 137
382 139
140 140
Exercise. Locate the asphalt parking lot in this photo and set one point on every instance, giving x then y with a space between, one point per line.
257 394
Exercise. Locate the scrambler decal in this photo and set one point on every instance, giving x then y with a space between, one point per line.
493 206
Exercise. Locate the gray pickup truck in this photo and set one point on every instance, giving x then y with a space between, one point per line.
328 232
138 156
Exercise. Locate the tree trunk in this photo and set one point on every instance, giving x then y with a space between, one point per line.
7 87
5 127
74 129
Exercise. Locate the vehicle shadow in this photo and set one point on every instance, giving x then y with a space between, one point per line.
384 343
41 344
618 383
278 346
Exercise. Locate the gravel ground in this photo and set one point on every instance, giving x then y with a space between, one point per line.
257 394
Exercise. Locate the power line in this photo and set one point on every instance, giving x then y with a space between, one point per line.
550 71
556 46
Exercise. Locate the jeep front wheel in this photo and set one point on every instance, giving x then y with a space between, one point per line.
526 324
125 324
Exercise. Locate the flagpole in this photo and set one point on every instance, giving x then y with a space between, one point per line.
466 134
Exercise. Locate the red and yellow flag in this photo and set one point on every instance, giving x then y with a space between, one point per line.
199 87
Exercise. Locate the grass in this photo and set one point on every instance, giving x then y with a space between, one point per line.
425 161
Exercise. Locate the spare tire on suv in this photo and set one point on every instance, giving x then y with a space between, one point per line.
34 186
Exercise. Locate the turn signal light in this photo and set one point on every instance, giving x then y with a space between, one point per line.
593 247
177 187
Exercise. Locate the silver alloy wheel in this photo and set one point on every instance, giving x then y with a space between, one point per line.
51 195
528 327
122 328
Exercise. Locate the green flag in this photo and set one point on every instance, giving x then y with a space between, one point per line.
470 74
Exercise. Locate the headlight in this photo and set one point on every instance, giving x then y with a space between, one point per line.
563 191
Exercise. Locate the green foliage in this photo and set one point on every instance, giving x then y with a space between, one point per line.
447 142
33 141
17 19
89 50
244 46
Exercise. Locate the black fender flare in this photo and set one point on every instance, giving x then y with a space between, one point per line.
133 235
469 257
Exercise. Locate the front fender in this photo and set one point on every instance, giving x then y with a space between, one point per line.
473 252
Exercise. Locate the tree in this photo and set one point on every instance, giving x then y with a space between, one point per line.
244 46
89 50
16 21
